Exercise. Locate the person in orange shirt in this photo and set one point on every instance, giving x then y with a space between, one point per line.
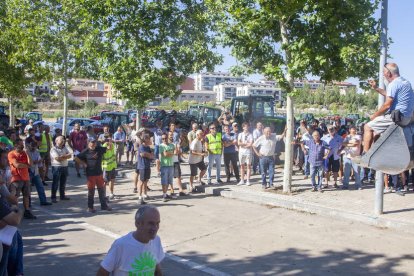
19 164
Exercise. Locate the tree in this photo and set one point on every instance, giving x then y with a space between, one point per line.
17 69
59 35
28 103
286 40
152 46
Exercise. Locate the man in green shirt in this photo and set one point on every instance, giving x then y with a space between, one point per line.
167 150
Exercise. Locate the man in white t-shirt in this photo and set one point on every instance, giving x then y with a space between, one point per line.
139 252
196 159
245 142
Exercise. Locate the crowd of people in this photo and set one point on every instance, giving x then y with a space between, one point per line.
320 152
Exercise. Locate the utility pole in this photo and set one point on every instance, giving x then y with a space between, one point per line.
379 176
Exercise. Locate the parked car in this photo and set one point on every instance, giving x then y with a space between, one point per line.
70 123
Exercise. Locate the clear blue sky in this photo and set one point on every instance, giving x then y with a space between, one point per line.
400 29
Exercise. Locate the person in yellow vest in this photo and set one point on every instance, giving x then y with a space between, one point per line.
109 165
44 150
214 146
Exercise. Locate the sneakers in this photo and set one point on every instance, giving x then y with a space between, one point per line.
54 200
220 181
182 194
92 210
111 196
345 188
166 198
240 183
387 190
147 197
313 189
248 183
320 190
141 201
228 180
28 215
336 186
106 209
135 190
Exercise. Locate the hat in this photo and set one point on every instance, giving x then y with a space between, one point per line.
91 140
234 124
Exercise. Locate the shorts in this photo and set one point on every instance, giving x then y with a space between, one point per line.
46 157
144 174
120 148
333 165
130 146
245 159
109 175
157 152
177 170
96 180
167 175
20 185
381 123
201 166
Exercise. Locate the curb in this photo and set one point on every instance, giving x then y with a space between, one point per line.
297 204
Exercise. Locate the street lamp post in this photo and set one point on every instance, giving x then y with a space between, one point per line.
379 176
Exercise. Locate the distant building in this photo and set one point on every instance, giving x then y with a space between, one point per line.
188 84
252 89
34 88
206 81
85 94
195 95
227 90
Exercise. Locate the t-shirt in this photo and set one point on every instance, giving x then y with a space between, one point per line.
157 136
127 256
245 138
57 152
335 144
257 133
402 93
166 161
143 162
229 138
21 174
93 159
197 146
79 140
267 145
352 151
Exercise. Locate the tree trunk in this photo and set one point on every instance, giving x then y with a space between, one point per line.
65 99
11 112
138 118
288 169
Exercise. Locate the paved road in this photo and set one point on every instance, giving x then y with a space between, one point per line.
212 236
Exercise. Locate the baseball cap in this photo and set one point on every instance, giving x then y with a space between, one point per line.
91 140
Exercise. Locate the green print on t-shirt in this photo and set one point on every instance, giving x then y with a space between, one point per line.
144 265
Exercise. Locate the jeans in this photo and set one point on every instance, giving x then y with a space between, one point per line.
211 159
37 181
267 165
256 163
316 171
15 263
348 166
60 174
306 165
233 158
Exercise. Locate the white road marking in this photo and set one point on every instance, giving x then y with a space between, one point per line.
97 229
